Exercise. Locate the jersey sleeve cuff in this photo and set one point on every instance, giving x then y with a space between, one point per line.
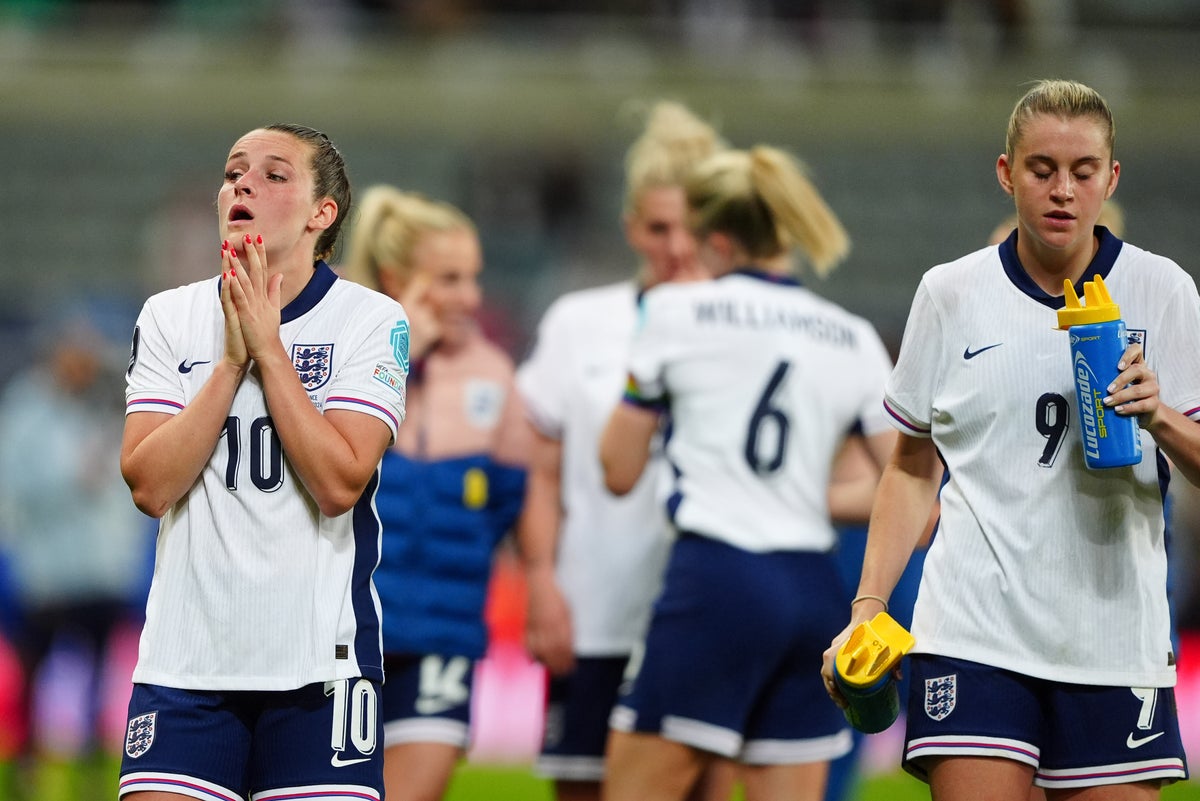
149 402
904 421
367 406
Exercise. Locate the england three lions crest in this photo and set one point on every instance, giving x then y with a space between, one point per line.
313 364
140 734
1137 336
941 695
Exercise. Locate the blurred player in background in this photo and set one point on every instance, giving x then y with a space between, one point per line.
763 382
593 561
1043 634
258 406
79 551
450 487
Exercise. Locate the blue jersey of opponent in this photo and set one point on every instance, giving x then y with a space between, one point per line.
449 490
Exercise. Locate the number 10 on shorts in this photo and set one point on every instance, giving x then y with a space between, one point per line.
355 713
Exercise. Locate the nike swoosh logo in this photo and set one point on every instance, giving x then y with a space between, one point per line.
338 762
1138 742
971 354
185 367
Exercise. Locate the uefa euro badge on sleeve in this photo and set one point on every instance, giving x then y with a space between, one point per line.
863 672
399 337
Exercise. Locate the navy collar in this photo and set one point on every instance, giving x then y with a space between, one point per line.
749 272
763 275
323 278
1101 265
317 287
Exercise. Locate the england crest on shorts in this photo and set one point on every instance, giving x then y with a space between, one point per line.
941 694
313 364
140 735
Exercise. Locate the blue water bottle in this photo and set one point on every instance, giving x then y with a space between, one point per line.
1098 341
863 671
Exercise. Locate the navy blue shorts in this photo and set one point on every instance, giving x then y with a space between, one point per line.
232 746
733 655
427 699
577 710
1074 735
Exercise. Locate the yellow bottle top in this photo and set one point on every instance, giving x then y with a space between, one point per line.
1099 309
872 650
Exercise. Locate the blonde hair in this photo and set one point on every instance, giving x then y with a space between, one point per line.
1066 99
1112 217
389 225
672 142
762 198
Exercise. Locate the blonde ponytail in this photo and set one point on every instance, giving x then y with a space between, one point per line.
762 198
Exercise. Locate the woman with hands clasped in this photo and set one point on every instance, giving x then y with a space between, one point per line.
259 405
1043 644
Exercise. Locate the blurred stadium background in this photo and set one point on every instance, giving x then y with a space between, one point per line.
118 115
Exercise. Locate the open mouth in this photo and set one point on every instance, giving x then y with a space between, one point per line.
239 213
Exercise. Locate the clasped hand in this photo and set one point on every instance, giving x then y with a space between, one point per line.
250 301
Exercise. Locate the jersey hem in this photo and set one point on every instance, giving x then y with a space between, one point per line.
1059 673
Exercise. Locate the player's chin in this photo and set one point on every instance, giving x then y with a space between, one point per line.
684 273
455 332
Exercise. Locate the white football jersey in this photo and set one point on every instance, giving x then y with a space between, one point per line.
1041 565
612 550
255 589
764 380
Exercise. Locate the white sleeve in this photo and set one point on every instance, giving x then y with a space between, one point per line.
909 393
543 378
373 378
152 381
1177 366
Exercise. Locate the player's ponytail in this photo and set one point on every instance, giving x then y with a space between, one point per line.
762 199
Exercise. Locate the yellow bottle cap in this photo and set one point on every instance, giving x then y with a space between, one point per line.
872 650
1099 309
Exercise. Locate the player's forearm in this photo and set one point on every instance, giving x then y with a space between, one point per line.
322 458
903 501
548 617
162 455
625 446
537 528
1179 438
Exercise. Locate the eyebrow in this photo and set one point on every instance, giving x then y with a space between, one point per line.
241 154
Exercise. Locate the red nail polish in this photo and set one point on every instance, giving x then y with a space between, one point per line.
247 239
224 245
260 239
233 272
